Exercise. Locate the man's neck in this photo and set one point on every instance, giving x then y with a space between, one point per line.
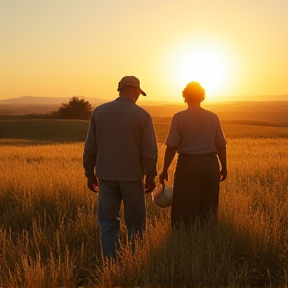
128 95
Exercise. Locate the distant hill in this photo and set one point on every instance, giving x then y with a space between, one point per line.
271 111
36 100
44 101
265 98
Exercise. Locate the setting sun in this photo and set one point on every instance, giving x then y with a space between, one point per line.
206 64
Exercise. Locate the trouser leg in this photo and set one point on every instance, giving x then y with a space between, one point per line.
134 208
109 202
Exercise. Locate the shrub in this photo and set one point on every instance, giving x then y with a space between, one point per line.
75 109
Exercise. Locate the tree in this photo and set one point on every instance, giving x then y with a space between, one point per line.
75 109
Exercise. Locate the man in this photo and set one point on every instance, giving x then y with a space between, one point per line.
120 149
196 135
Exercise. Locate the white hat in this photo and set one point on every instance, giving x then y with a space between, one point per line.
162 196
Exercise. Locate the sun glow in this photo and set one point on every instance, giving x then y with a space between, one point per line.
206 64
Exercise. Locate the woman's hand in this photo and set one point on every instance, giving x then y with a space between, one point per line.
163 176
223 174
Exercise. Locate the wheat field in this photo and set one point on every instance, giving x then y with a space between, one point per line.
49 235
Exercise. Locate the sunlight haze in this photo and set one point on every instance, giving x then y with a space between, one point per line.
62 48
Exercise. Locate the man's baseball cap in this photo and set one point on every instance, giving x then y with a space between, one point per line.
130 81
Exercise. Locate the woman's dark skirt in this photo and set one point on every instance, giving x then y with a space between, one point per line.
196 188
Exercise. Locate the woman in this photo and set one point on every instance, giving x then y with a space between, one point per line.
196 135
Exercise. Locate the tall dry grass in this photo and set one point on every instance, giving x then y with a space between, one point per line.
49 235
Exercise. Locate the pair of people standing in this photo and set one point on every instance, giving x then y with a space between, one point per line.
120 151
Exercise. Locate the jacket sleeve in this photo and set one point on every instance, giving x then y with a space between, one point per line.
90 150
149 149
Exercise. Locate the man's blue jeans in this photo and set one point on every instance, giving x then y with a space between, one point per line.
110 196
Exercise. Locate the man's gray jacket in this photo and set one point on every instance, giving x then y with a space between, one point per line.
120 143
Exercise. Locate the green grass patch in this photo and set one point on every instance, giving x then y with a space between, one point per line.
44 131
71 131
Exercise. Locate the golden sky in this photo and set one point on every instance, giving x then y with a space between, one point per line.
62 48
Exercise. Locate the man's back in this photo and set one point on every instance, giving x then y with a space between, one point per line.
124 139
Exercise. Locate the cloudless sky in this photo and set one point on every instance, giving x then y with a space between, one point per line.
62 48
